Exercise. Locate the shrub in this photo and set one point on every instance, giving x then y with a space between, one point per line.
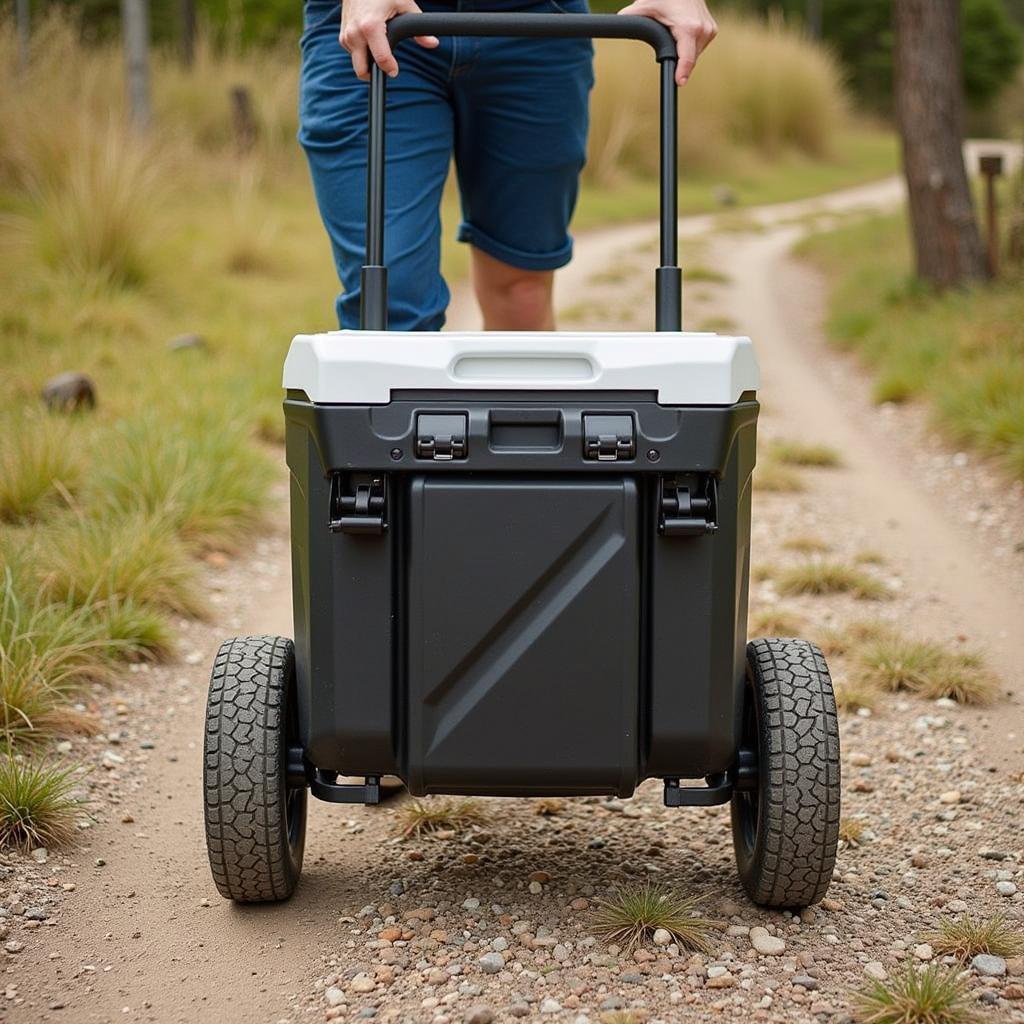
36 803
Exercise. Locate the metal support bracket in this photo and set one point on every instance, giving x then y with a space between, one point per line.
719 787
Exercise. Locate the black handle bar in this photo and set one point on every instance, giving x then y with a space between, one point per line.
547 26
668 277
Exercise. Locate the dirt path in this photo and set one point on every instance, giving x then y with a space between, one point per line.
143 935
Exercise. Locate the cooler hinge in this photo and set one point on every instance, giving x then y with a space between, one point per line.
359 503
608 438
688 505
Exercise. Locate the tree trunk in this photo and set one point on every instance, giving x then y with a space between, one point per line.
135 32
929 109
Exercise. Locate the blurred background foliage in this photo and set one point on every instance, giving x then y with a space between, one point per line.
858 31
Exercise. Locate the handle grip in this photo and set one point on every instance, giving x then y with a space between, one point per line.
537 26
668 277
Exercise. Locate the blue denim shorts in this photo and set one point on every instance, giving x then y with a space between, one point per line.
511 113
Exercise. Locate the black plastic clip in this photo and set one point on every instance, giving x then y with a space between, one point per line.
358 503
688 505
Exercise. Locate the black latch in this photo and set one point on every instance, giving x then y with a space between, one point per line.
359 503
441 436
688 505
608 438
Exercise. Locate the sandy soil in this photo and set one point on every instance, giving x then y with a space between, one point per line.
133 929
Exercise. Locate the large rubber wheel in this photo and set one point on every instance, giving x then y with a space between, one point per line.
255 822
785 830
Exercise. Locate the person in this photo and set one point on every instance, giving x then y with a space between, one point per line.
513 113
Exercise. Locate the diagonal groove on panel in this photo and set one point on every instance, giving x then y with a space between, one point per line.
527 619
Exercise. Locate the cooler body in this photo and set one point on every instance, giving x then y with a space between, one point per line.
520 562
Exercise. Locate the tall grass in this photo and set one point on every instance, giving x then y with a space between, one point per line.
761 88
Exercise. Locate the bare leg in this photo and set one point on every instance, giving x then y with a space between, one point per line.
512 299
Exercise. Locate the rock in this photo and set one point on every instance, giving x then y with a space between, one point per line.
69 392
550 1005
560 952
14 946
923 951
631 978
421 914
859 759
536 888
539 876
989 966
951 796
390 934
519 1010
184 342
500 944
721 981
862 786
1013 992
36 914
612 1003
728 908
662 937
875 970
39 854
1005 888
806 981
491 963
362 982
334 996
765 943
717 970
471 904
480 1015
1015 966
993 854
579 903
831 904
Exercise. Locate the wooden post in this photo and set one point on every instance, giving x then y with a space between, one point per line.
243 119
929 109
188 32
22 17
135 33
991 166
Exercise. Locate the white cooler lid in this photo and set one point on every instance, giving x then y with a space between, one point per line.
364 367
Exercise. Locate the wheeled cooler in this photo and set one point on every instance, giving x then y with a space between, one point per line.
520 568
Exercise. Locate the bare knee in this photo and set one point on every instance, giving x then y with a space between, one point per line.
512 299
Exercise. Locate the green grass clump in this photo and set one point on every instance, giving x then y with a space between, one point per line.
631 916
138 559
893 661
38 469
208 482
822 578
966 937
36 803
961 351
422 817
929 995
799 453
697 273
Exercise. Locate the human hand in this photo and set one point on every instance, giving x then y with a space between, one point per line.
691 25
364 33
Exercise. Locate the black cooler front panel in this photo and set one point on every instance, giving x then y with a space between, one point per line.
523 634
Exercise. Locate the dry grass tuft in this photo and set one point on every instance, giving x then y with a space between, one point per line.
549 806
36 805
821 578
929 995
774 622
896 662
852 696
851 831
967 936
423 817
631 916
807 545
774 477
798 453
38 469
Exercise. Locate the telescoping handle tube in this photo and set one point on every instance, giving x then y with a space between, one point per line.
668 277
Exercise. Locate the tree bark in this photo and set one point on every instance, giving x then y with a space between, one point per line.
135 32
929 109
